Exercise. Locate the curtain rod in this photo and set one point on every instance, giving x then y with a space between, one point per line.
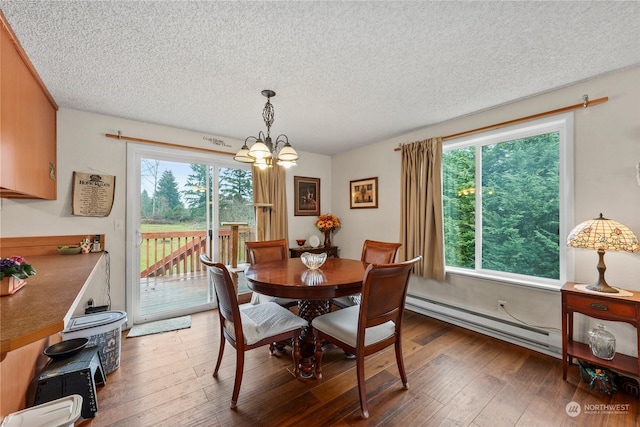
584 104
166 144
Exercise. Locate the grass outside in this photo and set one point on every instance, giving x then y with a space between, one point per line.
159 228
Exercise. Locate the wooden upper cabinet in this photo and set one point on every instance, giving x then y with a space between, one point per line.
27 125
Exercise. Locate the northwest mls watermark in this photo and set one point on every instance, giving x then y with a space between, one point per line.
574 409
609 408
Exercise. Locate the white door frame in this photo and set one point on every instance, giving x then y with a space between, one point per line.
135 152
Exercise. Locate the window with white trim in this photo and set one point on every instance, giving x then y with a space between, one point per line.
507 200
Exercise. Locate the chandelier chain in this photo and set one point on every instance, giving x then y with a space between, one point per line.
268 115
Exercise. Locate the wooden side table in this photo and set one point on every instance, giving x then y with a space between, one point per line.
332 251
601 306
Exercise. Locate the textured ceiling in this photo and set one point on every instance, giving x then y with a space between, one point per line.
346 74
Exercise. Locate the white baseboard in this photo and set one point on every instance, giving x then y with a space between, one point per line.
544 341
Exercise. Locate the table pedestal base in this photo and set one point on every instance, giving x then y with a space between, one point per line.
309 310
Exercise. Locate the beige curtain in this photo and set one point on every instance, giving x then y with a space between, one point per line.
270 200
421 226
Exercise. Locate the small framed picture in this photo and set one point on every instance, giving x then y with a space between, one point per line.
364 193
307 196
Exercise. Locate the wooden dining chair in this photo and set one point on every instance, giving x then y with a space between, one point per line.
265 251
250 326
371 326
373 252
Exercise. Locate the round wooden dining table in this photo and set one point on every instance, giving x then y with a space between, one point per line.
290 278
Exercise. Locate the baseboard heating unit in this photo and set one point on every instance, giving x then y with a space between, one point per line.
544 341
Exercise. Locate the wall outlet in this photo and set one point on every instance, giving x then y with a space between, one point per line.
501 304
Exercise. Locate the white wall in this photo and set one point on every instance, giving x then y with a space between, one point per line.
607 149
381 224
310 166
83 147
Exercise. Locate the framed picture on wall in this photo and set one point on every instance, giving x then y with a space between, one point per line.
364 193
307 196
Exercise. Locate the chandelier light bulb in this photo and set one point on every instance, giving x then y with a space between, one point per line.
286 163
261 164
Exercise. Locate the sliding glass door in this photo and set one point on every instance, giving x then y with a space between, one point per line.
176 202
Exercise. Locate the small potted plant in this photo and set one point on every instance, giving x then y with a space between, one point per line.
13 271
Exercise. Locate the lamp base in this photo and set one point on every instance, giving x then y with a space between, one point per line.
602 286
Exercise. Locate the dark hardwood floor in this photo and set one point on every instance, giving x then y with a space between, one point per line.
456 377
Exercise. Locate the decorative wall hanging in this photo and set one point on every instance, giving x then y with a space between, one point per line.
307 196
364 193
93 194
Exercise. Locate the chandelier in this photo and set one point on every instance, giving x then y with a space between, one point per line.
264 151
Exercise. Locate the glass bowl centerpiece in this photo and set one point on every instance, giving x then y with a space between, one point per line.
313 261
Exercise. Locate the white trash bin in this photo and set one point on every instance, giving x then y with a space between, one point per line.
61 412
103 330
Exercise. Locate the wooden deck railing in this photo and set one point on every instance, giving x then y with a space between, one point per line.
176 253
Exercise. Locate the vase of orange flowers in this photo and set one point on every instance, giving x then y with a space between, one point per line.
327 223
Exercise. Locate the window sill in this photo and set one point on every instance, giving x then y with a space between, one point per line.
548 285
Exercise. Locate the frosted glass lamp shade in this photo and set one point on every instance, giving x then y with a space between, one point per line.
259 150
243 155
287 153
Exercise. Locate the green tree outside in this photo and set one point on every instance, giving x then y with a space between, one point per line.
195 192
146 205
459 207
236 196
520 206
521 217
168 203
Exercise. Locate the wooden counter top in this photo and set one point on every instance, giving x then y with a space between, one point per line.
41 308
